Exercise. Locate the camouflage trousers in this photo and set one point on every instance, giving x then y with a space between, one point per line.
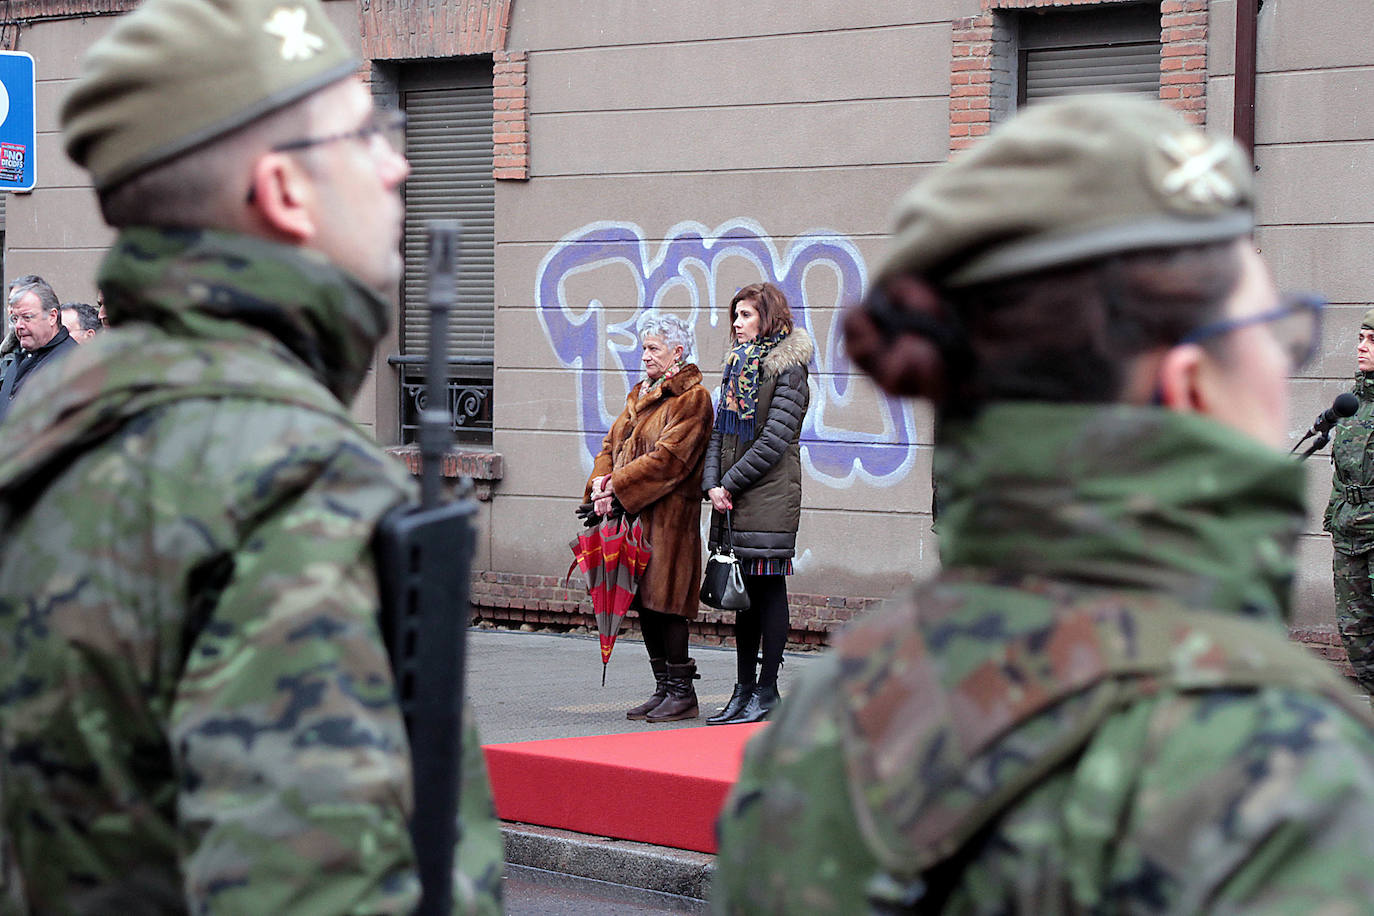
1355 611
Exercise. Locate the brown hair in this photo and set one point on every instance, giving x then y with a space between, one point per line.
774 315
1063 335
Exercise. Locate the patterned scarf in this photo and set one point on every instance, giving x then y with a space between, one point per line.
672 370
739 389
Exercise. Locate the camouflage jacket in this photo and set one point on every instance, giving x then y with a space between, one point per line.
1350 511
1094 708
196 706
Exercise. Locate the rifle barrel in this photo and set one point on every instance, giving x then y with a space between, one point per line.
444 240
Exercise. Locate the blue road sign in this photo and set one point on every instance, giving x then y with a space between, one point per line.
17 131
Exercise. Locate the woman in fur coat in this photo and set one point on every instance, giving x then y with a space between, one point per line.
651 464
753 471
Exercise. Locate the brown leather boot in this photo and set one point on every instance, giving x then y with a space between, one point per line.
660 666
681 702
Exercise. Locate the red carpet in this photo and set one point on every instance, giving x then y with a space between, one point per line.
660 787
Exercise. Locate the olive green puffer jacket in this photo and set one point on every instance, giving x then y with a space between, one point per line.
763 474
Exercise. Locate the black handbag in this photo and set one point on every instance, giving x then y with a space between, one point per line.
723 585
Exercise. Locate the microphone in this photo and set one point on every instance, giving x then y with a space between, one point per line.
1344 406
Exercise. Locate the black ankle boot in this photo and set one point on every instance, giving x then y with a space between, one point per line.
760 705
660 666
738 700
681 702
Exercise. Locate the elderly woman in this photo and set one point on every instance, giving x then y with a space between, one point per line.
650 463
1094 707
753 471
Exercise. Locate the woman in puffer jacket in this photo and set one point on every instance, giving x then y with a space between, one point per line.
753 471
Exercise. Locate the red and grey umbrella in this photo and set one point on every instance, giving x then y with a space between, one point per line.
613 555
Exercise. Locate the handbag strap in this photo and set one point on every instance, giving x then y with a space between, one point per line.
728 543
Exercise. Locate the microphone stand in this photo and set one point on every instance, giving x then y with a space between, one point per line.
1319 444
1345 405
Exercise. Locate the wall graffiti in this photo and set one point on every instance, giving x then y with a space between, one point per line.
686 264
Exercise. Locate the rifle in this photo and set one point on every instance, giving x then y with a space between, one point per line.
424 555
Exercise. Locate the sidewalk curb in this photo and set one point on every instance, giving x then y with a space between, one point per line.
653 868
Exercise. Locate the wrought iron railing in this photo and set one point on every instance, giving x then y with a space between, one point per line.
469 396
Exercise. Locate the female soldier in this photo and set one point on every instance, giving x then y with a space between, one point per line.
753 471
1094 707
1350 516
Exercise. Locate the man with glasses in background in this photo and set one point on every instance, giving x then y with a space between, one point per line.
35 316
196 704
81 320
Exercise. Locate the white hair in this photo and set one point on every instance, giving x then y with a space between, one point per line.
671 329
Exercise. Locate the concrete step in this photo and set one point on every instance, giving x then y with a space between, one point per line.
638 865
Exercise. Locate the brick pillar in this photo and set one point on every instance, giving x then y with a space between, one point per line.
980 81
510 117
970 80
1183 58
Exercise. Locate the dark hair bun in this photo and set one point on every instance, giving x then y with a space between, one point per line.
915 348
901 364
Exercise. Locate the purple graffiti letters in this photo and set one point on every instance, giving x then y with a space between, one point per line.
690 257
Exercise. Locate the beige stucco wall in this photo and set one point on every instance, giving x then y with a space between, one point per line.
790 127
1314 155
796 123
56 231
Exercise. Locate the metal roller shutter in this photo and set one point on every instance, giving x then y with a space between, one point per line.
448 143
1106 48
1109 68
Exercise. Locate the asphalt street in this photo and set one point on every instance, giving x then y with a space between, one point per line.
526 686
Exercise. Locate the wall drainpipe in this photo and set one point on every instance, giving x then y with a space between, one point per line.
1247 65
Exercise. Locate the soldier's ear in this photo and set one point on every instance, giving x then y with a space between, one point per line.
281 197
1183 383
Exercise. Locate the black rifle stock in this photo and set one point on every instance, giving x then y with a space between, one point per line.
424 555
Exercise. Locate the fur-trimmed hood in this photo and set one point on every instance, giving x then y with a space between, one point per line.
796 349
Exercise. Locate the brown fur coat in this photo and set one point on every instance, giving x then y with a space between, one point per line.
654 454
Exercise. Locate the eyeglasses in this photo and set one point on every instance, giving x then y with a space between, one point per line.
385 124
388 124
1296 323
24 319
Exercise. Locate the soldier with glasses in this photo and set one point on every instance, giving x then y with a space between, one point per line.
197 709
1094 707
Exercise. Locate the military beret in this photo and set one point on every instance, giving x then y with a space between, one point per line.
1068 181
174 74
1368 320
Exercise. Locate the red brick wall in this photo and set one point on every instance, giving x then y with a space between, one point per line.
29 11
1326 643
510 118
1183 58
404 30
973 97
414 29
545 602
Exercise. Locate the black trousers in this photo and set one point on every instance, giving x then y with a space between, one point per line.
665 635
765 621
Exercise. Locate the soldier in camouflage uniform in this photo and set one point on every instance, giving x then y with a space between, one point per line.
1094 707
196 705
1350 516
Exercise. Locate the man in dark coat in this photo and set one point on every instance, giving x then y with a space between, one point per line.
37 318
